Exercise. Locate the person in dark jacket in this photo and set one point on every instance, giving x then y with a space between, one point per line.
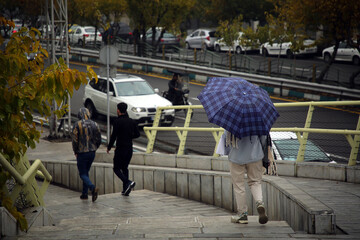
125 130
175 90
86 139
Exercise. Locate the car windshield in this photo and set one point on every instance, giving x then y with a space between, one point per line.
90 30
168 35
288 150
134 88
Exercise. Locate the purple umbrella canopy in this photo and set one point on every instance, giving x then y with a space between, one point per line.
238 106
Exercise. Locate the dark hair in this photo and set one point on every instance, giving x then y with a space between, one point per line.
122 107
175 76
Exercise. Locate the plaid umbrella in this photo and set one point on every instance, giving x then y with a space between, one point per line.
238 106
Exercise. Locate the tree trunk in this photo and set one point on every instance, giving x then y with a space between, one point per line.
326 69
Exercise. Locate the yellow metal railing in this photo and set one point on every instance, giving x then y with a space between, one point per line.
24 174
352 136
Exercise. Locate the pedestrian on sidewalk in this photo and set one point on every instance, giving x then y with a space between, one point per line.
125 130
86 139
245 155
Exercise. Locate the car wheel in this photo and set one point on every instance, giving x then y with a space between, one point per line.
289 54
356 60
90 106
238 50
80 42
217 48
265 52
187 45
327 57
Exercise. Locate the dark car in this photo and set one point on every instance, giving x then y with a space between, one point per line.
168 40
119 32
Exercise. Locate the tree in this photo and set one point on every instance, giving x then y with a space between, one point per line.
229 31
338 19
166 14
230 9
26 87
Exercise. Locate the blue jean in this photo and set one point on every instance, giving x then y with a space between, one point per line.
84 161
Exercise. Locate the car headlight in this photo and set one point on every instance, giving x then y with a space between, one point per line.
138 109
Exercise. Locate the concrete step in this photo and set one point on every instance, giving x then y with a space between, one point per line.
157 228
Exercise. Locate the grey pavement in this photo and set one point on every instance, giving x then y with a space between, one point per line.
152 215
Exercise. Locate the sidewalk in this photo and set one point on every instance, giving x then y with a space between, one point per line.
151 215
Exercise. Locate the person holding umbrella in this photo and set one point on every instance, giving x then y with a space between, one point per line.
247 114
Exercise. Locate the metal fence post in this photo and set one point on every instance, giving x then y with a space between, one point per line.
183 135
194 56
355 143
269 67
230 60
303 138
163 52
151 135
314 73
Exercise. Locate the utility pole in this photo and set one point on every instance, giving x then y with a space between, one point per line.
57 18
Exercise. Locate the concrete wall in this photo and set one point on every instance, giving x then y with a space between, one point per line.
328 171
203 179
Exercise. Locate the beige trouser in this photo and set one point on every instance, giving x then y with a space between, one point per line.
254 176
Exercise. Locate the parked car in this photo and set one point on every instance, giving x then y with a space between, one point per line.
219 46
141 98
168 40
284 49
201 38
345 53
123 31
84 35
286 146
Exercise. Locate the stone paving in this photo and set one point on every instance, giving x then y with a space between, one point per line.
152 215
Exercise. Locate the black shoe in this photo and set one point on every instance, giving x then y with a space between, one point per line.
129 188
95 193
84 197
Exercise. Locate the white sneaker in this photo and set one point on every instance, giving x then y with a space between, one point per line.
263 218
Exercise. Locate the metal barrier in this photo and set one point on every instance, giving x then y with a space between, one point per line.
24 174
340 92
352 136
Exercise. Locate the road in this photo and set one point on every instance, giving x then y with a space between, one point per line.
203 143
300 68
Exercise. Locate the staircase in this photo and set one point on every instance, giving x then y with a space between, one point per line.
142 215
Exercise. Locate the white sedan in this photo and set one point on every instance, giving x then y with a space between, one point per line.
219 46
84 35
284 49
141 98
344 53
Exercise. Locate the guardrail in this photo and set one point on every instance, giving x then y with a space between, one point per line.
281 83
24 175
352 136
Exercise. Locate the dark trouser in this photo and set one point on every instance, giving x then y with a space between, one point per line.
84 161
122 159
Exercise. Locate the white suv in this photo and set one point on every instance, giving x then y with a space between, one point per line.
141 98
